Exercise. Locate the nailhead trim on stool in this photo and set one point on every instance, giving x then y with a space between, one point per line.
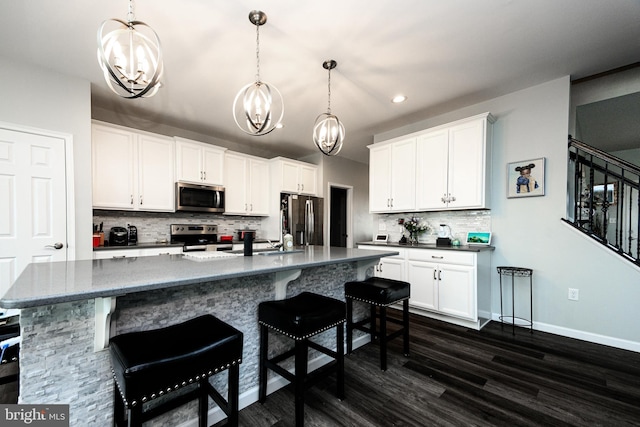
300 318
147 365
379 293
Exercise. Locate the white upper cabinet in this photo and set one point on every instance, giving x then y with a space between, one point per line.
131 170
452 169
199 163
448 168
392 180
292 176
246 185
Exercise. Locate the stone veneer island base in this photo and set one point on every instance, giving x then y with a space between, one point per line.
64 323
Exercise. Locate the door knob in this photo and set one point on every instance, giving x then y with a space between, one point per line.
56 245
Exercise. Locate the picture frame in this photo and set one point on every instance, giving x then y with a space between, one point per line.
525 178
479 238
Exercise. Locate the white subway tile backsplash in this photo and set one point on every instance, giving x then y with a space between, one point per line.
460 222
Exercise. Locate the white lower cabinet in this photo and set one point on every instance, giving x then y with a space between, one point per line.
132 253
444 281
389 267
449 285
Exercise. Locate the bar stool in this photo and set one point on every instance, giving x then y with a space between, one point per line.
149 364
300 318
379 293
516 272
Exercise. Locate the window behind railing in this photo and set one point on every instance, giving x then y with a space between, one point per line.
603 198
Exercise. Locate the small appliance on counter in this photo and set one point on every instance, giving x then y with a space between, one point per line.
118 236
444 236
133 235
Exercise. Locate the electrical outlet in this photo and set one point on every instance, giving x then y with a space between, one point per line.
574 294
382 226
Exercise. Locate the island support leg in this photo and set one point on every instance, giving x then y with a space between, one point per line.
104 308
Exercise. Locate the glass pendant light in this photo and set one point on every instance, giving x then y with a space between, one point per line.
258 107
130 57
328 131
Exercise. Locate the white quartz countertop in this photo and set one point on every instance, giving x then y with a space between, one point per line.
56 282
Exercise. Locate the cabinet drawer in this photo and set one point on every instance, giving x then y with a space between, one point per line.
442 257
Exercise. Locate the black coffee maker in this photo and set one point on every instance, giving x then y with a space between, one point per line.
133 235
118 236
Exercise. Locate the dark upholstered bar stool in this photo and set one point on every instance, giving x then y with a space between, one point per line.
300 318
150 364
379 293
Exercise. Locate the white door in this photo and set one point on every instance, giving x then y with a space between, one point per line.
33 220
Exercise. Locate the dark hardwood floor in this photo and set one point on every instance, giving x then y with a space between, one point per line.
461 377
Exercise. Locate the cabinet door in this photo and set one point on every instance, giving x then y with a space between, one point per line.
290 183
258 187
456 291
466 179
188 162
236 186
403 175
380 179
308 178
431 170
212 165
391 268
156 189
114 160
424 284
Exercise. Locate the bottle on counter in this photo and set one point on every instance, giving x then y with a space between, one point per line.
248 244
287 242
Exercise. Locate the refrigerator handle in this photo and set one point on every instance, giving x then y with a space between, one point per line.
309 221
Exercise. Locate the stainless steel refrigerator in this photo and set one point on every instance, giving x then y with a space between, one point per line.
301 216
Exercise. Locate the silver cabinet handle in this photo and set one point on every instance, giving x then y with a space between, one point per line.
437 257
56 245
205 175
132 199
141 200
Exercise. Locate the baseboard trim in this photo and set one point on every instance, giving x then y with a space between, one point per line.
250 396
582 335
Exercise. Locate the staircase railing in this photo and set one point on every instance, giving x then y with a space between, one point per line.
603 198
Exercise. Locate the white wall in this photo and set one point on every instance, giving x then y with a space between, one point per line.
528 232
43 99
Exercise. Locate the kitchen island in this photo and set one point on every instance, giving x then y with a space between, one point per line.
69 310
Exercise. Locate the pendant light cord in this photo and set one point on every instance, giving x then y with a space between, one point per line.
257 53
131 15
329 91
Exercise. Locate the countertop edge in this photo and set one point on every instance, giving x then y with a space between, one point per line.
431 246
38 301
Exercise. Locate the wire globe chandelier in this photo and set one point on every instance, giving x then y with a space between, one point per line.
130 56
328 130
258 108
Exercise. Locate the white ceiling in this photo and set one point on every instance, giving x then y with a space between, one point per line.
441 54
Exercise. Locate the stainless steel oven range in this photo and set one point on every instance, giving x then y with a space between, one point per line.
198 237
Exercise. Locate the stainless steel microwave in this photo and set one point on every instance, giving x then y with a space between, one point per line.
199 198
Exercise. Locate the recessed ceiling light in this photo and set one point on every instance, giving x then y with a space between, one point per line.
398 99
